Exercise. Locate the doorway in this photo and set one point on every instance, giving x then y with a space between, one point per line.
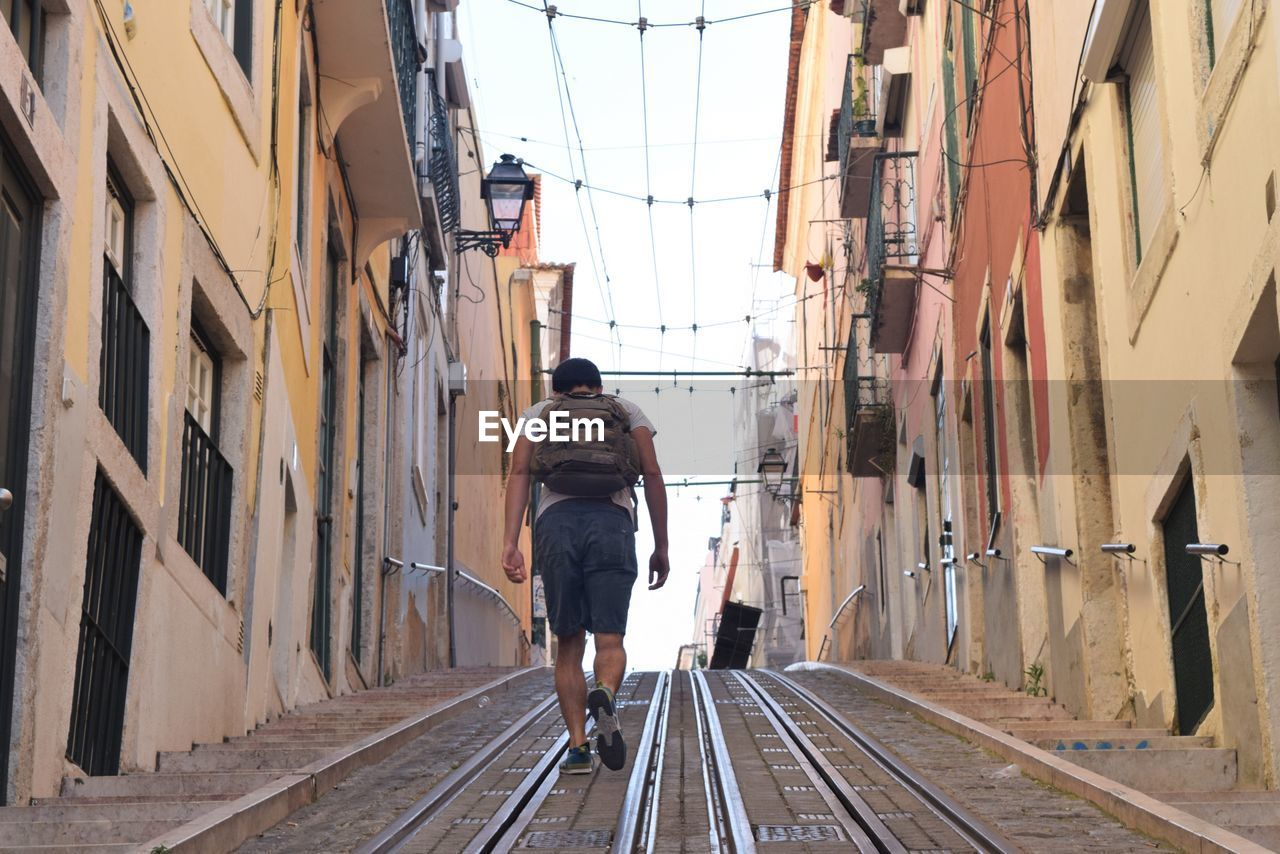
19 235
1184 576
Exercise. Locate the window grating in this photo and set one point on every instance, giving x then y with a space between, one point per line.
106 634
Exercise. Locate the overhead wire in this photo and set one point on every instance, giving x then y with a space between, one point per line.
635 197
553 12
648 172
693 176
565 97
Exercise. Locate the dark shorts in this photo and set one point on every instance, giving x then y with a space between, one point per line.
586 552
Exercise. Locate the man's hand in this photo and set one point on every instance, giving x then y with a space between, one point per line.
513 563
659 567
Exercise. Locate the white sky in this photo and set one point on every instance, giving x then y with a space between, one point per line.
509 62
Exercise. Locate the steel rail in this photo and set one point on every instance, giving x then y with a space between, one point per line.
426 808
660 764
510 821
739 836
976 832
716 831
866 830
641 800
411 821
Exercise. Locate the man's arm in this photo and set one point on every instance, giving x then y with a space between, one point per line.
516 502
655 496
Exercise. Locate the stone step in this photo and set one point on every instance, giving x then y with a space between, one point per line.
169 785
1069 727
73 849
1267 836
278 741
283 759
1237 813
1218 797
1124 742
80 833
1201 769
1012 714
206 802
75 810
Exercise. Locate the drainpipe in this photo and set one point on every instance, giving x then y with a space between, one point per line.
457 388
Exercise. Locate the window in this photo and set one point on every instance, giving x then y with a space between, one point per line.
989 449
123 367
1146 142
302 183
946 540
201 383
951 126
224 17
26 21
117 224
204 512
1219 15
234 19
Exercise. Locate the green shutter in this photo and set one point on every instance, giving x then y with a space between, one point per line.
953 136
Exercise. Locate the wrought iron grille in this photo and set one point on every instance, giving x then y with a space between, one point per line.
404 49
204 513
106 634
123 366
442 163
862 391
891 220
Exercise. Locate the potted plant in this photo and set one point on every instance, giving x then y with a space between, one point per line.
864 123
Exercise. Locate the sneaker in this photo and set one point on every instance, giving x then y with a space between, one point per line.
609 743
577 760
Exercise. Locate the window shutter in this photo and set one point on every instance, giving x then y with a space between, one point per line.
1146 143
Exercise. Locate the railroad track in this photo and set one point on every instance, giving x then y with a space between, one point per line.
484 807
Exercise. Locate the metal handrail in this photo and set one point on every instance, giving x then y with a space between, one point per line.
845 604
484 588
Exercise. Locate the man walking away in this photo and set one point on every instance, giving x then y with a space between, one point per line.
584 544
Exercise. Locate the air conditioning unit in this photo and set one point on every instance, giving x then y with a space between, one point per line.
457 378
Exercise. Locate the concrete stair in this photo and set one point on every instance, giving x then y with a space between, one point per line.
99 815
1188 772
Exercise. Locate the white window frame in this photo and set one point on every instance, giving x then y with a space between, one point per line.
113 236
201 393
223 13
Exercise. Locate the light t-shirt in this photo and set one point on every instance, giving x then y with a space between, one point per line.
622 497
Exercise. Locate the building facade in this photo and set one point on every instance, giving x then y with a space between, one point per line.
1041 316
229 251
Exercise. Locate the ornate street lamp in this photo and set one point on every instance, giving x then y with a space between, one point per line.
772 467
505 190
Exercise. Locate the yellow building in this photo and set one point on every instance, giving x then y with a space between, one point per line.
1160 250
222 217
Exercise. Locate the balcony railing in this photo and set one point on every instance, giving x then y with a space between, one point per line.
204 513
869 419
404 49
857 139
891 223
123 366
442 163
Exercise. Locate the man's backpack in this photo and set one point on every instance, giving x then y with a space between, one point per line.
592 467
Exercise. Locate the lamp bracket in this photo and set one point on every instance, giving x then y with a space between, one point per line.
488 242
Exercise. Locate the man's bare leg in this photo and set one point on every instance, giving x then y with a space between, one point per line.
611 661
571 686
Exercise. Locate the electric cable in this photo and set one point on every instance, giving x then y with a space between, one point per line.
553 12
